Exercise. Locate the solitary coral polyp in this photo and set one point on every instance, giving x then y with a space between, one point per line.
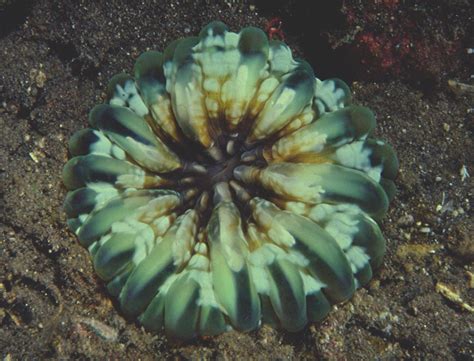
224 184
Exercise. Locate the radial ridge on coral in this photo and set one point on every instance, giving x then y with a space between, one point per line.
224 185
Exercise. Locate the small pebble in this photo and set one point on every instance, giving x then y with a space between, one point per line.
406 221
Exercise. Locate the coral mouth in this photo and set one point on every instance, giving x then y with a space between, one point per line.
204 170
219 165
223 171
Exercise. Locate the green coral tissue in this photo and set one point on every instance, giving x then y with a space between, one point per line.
223 185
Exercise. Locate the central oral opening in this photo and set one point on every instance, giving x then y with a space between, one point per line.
223 171
215 174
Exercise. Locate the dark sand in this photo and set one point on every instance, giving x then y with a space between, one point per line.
55 60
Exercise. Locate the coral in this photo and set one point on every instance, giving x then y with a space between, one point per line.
274 29
387 39
224 185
